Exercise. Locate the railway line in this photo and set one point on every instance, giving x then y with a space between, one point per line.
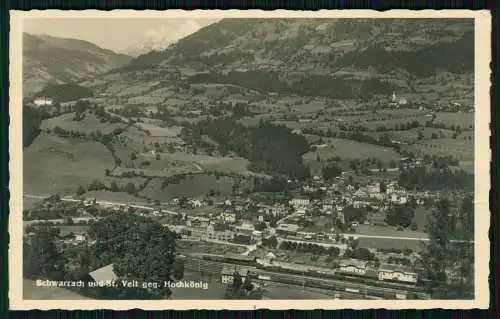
306 280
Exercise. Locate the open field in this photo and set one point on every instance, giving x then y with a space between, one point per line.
197 185
321 224
119 197
90 123
211 163
394 122
156 130
347 149
467 166
420 217
29 203
122 181
464 120
166 172
59 165
458 148
387 243
388 231
33 292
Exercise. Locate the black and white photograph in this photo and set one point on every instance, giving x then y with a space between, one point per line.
210 160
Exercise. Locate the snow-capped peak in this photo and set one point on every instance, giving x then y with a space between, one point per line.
161 38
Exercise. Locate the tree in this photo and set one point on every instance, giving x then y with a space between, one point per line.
466 215
260 226
96 185
355 244
352 214
435 257
383 187
271 242
331 171
178 269
140 249
399 215
114 187
80 190
420 135
130 188
413 226
41 258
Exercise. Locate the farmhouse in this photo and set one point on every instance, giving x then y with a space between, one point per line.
227 274
395 272
43 101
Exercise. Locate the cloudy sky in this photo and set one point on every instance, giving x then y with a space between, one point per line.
132 36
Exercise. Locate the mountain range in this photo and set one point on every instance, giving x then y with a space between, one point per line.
339 58
48 59
303 56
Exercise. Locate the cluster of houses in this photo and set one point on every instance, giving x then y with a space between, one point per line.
231 220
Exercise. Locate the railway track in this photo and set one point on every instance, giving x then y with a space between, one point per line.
215 268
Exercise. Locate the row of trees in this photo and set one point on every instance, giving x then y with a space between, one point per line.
310 247
97 185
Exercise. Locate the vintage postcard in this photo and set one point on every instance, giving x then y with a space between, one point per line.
249 159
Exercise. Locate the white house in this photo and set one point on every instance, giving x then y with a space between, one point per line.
353 266
394 272
398 199
299 202
89 201
228 217
373 188
43 101
195 203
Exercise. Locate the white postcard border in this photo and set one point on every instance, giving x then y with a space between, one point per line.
482 164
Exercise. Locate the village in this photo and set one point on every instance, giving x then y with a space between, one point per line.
278 235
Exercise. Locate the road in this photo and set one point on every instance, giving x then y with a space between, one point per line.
108 203
103 203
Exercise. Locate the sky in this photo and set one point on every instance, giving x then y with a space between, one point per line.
119 35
